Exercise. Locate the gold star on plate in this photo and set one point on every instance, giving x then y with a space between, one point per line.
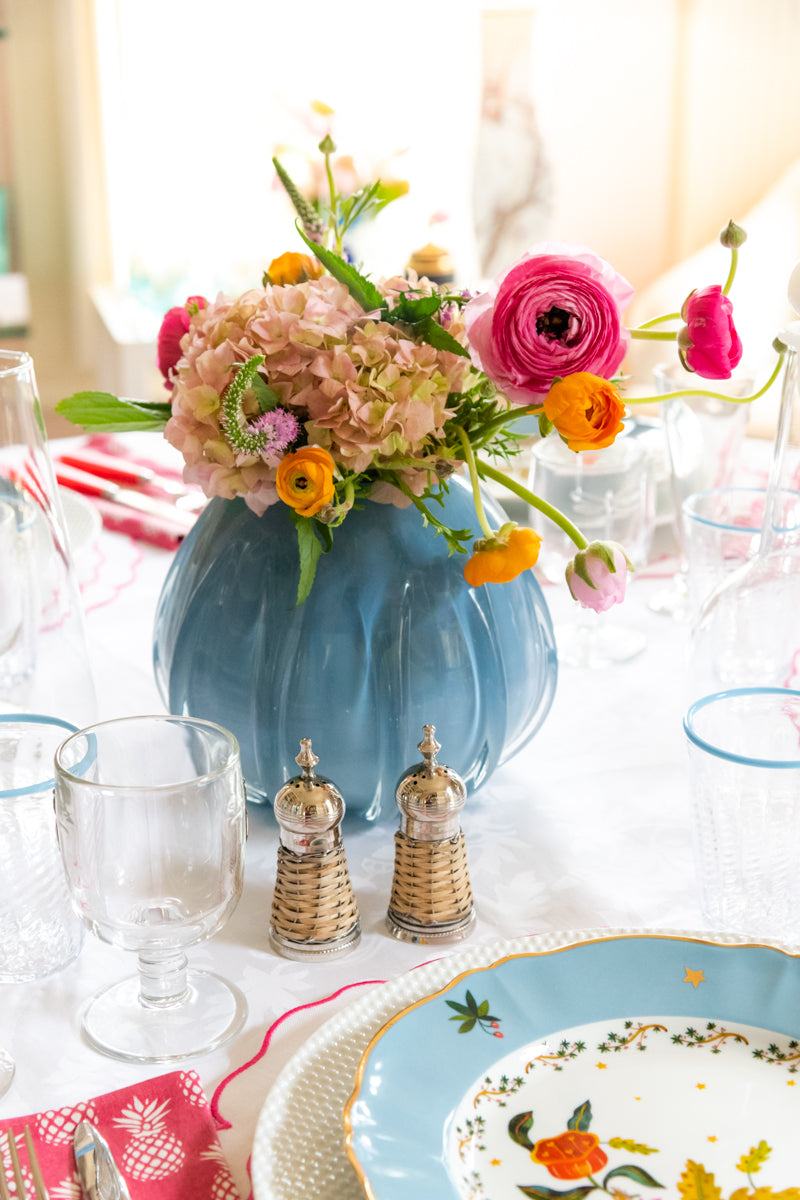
712 1137
700 1087
694 977
790 1083
496 1162
602 1066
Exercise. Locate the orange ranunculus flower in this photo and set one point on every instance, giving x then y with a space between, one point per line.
586 410
305 480
503 558
571 1155
292 268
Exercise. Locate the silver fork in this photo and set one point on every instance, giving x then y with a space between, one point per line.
40 1191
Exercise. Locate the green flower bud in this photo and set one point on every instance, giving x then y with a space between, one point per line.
327 145
732 235
545 425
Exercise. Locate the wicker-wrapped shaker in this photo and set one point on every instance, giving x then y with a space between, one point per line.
431 897
314 910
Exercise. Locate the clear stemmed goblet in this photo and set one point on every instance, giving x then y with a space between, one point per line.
151 821
610 495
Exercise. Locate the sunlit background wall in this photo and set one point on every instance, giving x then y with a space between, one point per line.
137 137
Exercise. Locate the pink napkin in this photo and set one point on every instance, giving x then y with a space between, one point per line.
161 1133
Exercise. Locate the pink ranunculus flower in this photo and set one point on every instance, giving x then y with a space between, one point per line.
556 311
708 343
597 575
174 325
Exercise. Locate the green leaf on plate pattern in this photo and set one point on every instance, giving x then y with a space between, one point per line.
519 1128
581 1119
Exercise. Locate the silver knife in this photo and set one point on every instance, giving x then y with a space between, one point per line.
100 1176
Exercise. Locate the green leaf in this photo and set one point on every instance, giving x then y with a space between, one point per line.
460 1008
519 1128
267 399
581 1119
546 1193
102 411
469 1024
470 999
411 308
362 290
437 336
325 535
637 1174
483 1008
309 549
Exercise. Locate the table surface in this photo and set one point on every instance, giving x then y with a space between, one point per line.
589 826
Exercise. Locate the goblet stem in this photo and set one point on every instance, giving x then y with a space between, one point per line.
162 978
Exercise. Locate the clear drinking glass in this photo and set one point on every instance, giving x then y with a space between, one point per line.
610 495
152 824
44 658
744 754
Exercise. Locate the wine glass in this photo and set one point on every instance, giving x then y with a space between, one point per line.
610 495
6 1071
151 821
703 437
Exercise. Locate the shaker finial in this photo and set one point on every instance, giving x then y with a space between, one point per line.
429 747
306 759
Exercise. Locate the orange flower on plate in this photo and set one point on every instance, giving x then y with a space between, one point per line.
570 1155
504 557
292 268
586 410
305 480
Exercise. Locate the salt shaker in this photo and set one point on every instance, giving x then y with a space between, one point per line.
431 897
314 910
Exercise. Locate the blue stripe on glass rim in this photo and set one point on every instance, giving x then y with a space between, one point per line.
690 514
24 718
728 755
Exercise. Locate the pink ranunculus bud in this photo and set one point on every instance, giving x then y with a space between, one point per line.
556 312
597 576
174 325
708 343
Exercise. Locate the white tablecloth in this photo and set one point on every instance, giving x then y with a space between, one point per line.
588 826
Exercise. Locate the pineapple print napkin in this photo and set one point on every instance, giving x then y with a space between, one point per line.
161 1133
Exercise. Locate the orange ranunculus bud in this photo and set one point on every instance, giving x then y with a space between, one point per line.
292 268
305 480
586 410
504 557
571 1155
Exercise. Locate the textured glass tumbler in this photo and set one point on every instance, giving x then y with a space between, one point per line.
744 756
152 824
39 932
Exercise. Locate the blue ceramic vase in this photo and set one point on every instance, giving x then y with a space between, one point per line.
390 639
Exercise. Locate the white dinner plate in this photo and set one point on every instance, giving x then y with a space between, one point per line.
299 1143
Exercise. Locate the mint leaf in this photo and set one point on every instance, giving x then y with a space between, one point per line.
362 290
309 547
100 411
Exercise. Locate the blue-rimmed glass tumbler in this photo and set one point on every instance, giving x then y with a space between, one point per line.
744 755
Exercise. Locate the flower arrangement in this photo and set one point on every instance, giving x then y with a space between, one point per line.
323 390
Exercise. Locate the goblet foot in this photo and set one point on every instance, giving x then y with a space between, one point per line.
6 1071
599 645
117 1022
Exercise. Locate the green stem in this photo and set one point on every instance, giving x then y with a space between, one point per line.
469 459
726 287
654 335
503 418
659 320
713 395
520 490
333 223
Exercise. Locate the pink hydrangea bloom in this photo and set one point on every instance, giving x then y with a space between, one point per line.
557 311
708 342
357 386
597 575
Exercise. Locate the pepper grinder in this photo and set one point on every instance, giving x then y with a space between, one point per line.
431 893
314 910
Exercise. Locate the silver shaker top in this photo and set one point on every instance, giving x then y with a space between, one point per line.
430 796
309 808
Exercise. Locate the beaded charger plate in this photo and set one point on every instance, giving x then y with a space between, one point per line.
299 1143
642 1065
